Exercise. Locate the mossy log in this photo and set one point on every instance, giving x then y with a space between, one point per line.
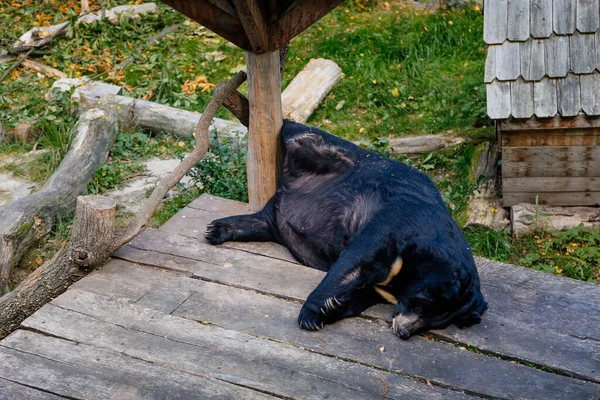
24 220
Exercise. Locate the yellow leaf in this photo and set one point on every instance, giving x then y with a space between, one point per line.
395 92
361 130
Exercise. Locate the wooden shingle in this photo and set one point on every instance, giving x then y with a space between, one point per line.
597 49
590 93
508 66
582 53
541 18
518 20
557 56
532 58
495 19
563 16
521 99
498 99
490 64
588 16
569 101
545 98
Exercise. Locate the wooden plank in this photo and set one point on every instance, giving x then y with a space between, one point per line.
240 274
508 64
227 355
541 19
264 146
215 19
553 198
498 99
253 19
490 64
81 371
590 90
552 184
550 161
495 21
569 100
518 20
306 91
564 12
298 17
582 53
524 58
580 121
13 391
497 332
521 99
186 223
557 56
557 137
545 99
588 14
108 324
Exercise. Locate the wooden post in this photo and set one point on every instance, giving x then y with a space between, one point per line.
264 146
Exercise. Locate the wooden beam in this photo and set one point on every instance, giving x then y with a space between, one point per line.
297 18
264 146
579 121
213 18
225 6
255 23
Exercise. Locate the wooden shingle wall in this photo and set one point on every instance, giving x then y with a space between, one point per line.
542 76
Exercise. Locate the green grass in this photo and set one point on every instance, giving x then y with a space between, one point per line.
406 72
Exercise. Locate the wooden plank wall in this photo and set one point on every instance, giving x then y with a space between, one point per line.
560 166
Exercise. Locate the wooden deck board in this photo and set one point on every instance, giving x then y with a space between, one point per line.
173 317
210 350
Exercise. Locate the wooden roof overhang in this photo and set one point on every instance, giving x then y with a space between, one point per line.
255 25
260 27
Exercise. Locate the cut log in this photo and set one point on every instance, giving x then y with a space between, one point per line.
423 144
93 231
529 217
485 205
44 69
308 89
24 220
94 239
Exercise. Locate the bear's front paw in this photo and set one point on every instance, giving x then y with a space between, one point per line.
311 320
218 232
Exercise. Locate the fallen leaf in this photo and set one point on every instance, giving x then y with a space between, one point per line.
382 349
39 261
395 92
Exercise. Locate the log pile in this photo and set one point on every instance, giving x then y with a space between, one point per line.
94 238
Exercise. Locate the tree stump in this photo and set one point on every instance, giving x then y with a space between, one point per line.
93 234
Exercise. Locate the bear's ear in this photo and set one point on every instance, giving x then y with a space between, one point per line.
469 319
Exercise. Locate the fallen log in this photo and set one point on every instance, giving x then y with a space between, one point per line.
41 36
160 118
27 219
529 217
94 238
44 69
308 89
423 144
485 205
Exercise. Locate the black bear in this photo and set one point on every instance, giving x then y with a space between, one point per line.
377 226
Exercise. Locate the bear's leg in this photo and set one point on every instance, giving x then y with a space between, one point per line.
243 228
339 295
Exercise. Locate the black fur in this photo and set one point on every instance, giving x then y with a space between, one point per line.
353 213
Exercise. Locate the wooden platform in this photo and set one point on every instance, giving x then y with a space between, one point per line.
171 317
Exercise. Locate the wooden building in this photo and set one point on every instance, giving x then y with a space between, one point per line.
543 91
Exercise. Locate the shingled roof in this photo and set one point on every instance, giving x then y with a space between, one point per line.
543 58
